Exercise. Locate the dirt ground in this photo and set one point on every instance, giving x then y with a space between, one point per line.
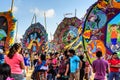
28 75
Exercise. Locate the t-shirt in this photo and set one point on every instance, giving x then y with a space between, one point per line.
114 62
26 61
74 63
15 63
100 66
54 62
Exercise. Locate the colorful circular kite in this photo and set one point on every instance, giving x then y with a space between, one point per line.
35 38
7 29
102 28
67 33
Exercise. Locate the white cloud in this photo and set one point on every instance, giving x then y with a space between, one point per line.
40 13
15 9
50 13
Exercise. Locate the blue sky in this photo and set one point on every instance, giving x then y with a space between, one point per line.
55 9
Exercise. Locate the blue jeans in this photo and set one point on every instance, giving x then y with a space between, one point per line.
113 75
17 76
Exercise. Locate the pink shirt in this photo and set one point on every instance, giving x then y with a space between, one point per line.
54 62
15 63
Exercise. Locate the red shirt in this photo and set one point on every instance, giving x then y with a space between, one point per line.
114 62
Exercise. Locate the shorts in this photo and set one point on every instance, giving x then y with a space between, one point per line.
114 41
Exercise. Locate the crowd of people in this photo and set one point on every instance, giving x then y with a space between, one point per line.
57 66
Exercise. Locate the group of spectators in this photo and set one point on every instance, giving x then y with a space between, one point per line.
57 66
69 66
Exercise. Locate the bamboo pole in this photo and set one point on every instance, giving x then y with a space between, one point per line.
12 5
16 35
45 21
75 12
34 18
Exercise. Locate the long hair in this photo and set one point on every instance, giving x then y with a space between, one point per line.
5 71
13 50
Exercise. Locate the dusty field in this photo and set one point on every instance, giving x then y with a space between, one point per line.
29 75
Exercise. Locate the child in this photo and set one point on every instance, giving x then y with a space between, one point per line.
5 72
27 61
114 35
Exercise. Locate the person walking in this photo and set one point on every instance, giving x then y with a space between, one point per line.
100 66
